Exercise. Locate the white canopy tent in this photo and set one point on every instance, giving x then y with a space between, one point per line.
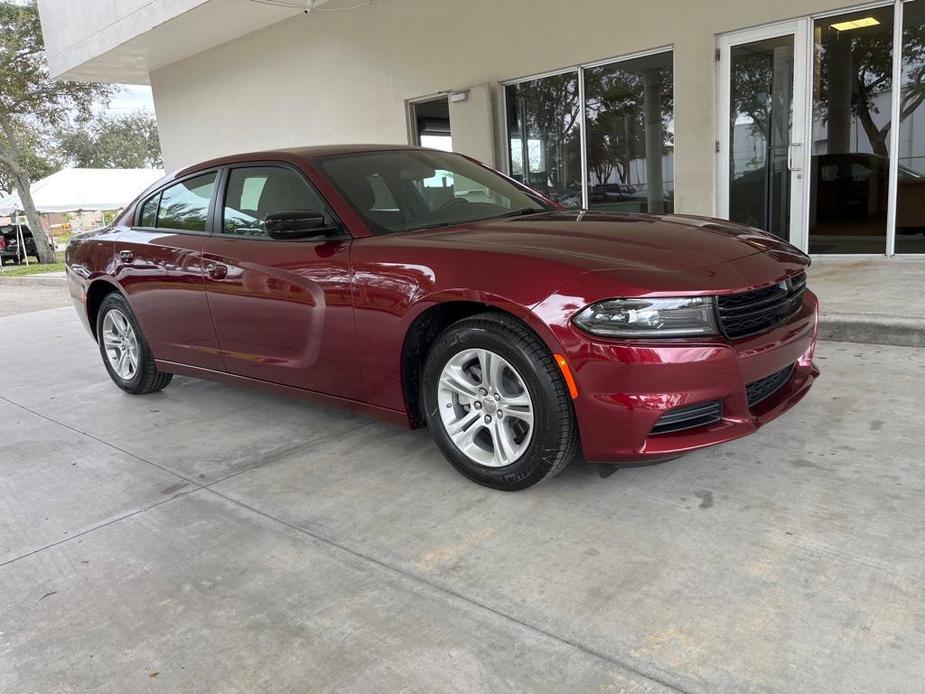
71 190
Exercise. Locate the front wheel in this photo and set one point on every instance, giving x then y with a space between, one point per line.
125 352
496 403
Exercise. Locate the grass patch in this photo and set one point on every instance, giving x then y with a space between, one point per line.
30 269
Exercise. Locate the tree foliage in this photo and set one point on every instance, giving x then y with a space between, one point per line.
549 111
37 154
616 119
32 105
113 142
866 55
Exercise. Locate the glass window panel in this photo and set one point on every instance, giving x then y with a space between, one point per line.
254 192
149 211
910 210
405 190
630 140
760 119
852 88
185 205
543 118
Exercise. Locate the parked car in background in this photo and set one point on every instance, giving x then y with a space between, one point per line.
518 332
10 249
615 192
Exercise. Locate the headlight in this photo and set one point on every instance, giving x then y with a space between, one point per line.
649 317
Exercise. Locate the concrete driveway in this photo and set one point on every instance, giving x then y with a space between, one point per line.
213 539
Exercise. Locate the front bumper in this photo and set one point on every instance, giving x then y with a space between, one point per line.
624 388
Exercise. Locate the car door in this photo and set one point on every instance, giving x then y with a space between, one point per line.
282 309
158 263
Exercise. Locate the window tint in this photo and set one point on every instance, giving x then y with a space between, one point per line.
255 192
149 211
383 200
403 190
186 205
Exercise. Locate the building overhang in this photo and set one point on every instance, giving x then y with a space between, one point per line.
123 41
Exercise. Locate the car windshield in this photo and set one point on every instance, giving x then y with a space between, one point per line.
405 190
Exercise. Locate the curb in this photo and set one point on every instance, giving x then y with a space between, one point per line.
873 329
32 281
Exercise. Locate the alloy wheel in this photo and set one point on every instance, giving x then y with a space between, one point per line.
121 344
485 407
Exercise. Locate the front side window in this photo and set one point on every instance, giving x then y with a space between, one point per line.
185 206
404 190
256 191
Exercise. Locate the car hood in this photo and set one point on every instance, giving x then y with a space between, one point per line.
592 241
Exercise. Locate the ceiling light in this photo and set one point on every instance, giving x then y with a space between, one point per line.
855 24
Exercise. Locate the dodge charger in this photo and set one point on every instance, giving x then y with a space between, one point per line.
429 289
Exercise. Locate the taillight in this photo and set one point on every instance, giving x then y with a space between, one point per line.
2 243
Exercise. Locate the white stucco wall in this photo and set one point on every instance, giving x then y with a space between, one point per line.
344 77
121 41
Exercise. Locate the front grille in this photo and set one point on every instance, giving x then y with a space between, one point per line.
688 417
763 388
749 313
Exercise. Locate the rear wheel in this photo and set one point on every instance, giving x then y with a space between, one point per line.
496 404
125 353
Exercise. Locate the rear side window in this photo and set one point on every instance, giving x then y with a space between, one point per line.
185 206
148 216
256 191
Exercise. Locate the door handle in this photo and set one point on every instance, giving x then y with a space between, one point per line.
216 271
790 165
127 256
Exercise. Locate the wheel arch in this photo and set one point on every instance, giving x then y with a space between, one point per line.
98 290
432 319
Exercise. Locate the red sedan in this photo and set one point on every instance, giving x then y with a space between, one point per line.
432 290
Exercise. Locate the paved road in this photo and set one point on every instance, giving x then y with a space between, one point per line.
22 299
214 539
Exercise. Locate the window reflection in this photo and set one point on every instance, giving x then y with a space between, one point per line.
185 205
761 109
630 121
545 141
852 87
910 210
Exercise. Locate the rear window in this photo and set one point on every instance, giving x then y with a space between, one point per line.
148 217
185 205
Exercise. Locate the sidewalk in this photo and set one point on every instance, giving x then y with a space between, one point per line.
45 279
876 301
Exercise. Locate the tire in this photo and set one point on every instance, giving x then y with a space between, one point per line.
523 379
118 334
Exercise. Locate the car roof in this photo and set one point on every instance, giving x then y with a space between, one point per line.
289 153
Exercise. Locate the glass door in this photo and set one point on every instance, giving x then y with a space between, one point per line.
762 118
852 129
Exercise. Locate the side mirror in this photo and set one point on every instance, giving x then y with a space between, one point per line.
297 224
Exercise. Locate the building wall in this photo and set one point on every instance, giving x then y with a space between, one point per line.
334 77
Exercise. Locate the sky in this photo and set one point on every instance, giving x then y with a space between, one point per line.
132 97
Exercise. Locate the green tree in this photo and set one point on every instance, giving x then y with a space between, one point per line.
114 142
38 156
32 104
